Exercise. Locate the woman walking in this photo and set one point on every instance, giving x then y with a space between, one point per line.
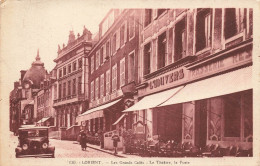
83 140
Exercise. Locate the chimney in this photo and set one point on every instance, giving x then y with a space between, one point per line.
22 73
16 84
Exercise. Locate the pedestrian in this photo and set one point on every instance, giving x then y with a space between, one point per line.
83 140
115 139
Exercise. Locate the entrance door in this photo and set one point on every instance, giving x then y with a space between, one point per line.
201 123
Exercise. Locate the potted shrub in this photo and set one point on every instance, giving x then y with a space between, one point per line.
128 140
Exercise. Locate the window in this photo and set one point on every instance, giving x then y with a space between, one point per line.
131 26
69 69
147 17
114 43
118 39
92 90
60 89
203 29
74 86
180 41
64 89
60 73
123 33
64 71
74 66
160 11
102 85
122 72
101 55
114 77
147 58
107 50
69 88
79 85
232 115
231 27
92 64
104 53
161 54
97 60
108 82
80 63
97 88
131 67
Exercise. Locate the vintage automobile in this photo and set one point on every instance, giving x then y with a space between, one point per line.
34 142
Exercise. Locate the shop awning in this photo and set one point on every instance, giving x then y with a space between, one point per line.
96 112
43 120
154 100
235 81
119 119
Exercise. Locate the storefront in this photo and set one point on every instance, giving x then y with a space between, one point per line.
211 102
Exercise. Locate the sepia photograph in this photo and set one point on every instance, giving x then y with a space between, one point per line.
91 83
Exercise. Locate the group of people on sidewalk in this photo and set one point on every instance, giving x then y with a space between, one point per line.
83 140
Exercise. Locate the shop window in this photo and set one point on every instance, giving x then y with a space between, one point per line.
97 88
74 86
69 69
79 85
107 82
131 67
74 66
232 115
102 85
69 88
203 29
64 89
231 24
248 113
114 77
180 41
64 71
161 54
80 63
122 72
147 17
60 73
92 64
92 90
147 58
131 26
97 60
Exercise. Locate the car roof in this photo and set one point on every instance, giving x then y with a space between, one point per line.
32 127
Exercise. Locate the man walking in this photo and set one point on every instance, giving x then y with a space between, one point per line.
115 139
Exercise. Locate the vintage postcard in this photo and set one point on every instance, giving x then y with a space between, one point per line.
129 82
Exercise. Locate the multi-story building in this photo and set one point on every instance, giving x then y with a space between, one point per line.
112 71
43 101
71 86
22 97
195 81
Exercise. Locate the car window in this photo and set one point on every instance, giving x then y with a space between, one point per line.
33 133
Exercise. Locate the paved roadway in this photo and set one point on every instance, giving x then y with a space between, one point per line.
65 149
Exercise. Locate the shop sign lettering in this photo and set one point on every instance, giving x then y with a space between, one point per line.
208 68
166 79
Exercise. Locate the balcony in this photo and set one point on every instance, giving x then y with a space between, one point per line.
68 100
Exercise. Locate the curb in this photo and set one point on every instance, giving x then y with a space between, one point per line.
118 155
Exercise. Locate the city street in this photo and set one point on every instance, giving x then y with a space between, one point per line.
66 149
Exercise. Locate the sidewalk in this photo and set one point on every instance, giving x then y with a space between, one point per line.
119 153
